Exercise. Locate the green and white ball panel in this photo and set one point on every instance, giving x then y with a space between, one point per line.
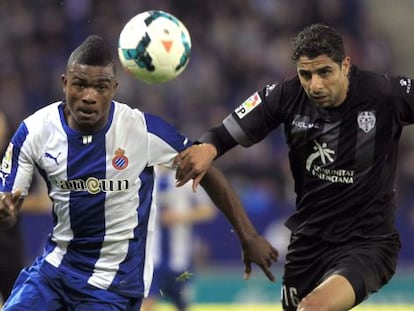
154 46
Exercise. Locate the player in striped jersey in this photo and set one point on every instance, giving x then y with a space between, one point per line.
97 157
342 126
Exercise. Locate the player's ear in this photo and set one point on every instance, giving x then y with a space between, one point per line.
115 85
346 64
63 81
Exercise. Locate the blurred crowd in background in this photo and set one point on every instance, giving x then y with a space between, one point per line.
238 46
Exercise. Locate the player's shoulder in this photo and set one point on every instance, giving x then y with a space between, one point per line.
125 115
286 85
139 121
148 119
291 84
370 82
377 88
384 84
284 97
284 90
124 109
121 106
43 118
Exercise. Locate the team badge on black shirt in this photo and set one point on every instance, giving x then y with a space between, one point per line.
366 120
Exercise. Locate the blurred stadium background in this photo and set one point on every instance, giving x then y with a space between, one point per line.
238 46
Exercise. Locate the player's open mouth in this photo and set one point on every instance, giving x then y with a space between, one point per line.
86 113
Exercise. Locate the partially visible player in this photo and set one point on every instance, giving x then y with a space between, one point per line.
97 157
178 211
342 126
11 240
12 244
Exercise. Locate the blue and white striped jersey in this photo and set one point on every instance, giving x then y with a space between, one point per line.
101 186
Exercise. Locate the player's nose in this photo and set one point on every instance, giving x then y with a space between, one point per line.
89 95
316 85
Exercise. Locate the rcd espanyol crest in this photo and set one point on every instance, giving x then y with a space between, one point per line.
120 161
366 120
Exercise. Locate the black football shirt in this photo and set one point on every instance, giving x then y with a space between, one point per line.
343 160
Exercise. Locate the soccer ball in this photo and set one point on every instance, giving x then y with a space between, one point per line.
154 47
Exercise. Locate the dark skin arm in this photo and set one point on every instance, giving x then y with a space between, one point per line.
10 204
193 163
255 248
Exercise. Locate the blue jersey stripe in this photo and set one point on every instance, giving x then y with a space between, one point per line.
165 245
164 187
17 140
166 132
130 270
20 136
48 185
86 162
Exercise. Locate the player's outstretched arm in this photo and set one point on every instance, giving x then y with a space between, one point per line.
256 249
9 206
193 163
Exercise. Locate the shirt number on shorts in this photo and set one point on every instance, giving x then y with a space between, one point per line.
290 296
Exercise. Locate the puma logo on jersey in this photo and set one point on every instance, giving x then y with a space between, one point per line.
49 156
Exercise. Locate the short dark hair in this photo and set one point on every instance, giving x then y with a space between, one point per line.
318 39
93 52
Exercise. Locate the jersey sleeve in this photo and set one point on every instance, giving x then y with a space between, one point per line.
18 165
165 142
402 91
256 117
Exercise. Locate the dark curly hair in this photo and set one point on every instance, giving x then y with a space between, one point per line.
318 39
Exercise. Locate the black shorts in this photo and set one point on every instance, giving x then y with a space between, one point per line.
367 263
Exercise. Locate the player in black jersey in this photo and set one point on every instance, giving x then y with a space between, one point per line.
342 126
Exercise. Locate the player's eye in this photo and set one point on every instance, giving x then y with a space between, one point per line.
325 72
101 88
306 75
78 84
